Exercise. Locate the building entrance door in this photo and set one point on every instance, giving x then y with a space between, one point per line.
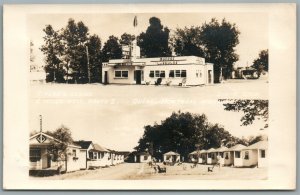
209 77
105 77
138 77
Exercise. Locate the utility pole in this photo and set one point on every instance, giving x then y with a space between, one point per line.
41 123
88 63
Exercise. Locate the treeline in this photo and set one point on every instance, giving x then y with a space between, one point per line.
73 55
185 132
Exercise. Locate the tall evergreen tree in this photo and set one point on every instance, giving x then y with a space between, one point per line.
111 49
53 50
95 63
155 41
75 37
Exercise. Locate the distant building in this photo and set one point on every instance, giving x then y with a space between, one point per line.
171 157
142 157
176 70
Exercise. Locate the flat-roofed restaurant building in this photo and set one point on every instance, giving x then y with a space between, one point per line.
176 70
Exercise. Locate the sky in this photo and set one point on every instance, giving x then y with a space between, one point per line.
253 27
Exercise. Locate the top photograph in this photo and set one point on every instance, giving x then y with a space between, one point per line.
209 53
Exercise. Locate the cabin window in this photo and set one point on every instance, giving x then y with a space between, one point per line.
221 154
74 153
34 154
183 73
145 157
209 155
151 74
95 155
90 155
246 155
171 74
263 154
213 156
177 73
162 74
226 156
237 154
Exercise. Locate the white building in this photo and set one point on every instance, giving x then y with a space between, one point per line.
211 156
142 157
238 154
220 154
176 70
171 157
41 160
258 154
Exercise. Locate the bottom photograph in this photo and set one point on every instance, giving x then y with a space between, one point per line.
209 140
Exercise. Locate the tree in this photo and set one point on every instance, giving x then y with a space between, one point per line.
252 109
75 37
219 41
58 150
111 49
155 41
95 63
126 39
187 42
181 132
262 62
53 50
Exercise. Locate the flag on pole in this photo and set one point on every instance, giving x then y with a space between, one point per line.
135 21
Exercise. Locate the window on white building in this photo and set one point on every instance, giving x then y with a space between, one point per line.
237 154
94 155
226 156
121 74
177 73
34 154
171 74
125 74
74 153
151 73
157 73
183 73
162 74
246 155
262 153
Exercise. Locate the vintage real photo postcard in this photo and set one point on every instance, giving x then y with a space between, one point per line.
170 96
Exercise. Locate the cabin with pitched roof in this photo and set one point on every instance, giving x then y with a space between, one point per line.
211 156
97 156
220 154
142 157
74 158
257 154
171 157
238 154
